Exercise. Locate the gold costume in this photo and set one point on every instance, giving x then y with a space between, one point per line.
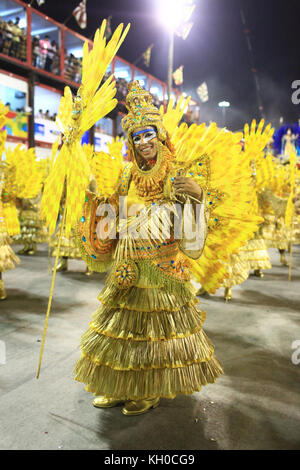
274 230
8 259
68 247
32 227
146 339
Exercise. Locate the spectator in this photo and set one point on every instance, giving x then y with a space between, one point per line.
44 47
36 51
56 65
73 68
52 52
2 34
8 37
22 47
16 38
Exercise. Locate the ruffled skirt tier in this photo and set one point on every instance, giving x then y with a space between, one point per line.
146 342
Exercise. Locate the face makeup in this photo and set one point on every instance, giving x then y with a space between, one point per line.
145 142
144 136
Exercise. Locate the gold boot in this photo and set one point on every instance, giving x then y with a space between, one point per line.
24 250
134 408
201 291
283 260
227 294
103 402
258 273
62 265
32 249
88 271
2 290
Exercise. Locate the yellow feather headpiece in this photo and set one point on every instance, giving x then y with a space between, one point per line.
141 112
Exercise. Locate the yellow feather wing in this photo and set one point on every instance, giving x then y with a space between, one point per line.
22 179
173 115
115 147
74 118
215 160
107 170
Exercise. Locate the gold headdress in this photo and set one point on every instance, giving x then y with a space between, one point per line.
141 112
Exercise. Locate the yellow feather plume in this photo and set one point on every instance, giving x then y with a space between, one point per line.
74 118
22 179
115 147
173 115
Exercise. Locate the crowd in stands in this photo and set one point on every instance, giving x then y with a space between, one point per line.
73 68
45 115
45 54
13 39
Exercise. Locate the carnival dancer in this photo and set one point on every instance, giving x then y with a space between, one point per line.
32 227
146 339
274 230
252 252
8 259
148 308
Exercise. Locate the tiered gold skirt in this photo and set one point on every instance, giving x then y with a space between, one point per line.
146 342
253 255
68 247
33 229
8 259
274 232
256 254
295 230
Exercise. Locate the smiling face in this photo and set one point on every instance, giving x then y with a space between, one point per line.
146 142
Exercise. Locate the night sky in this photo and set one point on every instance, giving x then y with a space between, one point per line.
215 51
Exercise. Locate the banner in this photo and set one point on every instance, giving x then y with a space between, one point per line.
45 130
147 55
178 76
80 14
108 31
202 92
184 30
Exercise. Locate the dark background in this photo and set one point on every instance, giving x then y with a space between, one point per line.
215 51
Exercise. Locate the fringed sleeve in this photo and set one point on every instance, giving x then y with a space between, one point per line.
194 221
96 249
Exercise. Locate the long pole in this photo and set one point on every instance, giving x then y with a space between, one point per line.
31 81
170 63
291 248
51 290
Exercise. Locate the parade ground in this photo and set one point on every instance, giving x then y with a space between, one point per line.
254 405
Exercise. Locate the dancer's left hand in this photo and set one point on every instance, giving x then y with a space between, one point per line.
189 186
